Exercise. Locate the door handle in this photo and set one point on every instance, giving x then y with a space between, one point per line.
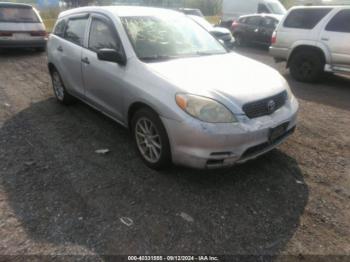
325 39
85 60
60 49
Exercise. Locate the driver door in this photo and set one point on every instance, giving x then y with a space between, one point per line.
103 80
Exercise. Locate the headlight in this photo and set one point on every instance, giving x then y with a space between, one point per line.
204 109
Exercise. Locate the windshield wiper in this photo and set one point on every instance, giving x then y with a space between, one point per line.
157 58
203 53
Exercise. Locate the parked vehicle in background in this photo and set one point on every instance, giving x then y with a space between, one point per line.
21 26
313 40
191 11
186 99
219 33
255 29
233 9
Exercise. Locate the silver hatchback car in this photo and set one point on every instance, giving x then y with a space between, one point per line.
186 99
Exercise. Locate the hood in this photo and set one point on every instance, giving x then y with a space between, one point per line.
229 78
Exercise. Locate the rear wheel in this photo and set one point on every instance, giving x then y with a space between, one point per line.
306 66
60 91
151 139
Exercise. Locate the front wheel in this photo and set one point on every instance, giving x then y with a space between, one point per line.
151 139
306 66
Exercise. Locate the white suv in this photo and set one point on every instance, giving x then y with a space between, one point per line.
313 40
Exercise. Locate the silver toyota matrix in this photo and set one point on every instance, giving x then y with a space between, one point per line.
186 99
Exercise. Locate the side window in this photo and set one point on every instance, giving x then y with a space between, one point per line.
75 30
340 22
305 18
262 9
102 36
59 28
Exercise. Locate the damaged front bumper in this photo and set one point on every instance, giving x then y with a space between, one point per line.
204 145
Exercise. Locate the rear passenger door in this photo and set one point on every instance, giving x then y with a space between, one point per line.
69 51
104 81
336 35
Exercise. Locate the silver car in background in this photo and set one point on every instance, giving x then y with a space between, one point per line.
184 97
313 40
21 26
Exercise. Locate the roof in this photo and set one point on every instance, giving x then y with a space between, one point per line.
122 10
6 4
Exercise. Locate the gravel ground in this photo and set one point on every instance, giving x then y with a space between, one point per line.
57 196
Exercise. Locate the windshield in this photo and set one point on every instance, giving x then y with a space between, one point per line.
276 8
174 36
18 15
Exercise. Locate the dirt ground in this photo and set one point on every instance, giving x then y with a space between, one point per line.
57 196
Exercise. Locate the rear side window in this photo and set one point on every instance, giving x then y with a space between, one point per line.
75 30
305 18
340 22
18 15
59 28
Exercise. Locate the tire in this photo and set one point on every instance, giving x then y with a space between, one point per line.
306 66
59 89
151 139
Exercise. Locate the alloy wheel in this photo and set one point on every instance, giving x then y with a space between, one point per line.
57 86
148 140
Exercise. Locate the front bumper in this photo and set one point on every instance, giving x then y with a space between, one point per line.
203 145
23 43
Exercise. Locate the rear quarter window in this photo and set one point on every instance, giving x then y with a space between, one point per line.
340 22
18 15
75 30
59 28
305 18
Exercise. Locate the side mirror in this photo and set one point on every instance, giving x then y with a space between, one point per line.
111 55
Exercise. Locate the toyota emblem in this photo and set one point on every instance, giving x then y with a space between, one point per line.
271 105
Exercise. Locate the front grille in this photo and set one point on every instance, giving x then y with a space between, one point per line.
265 106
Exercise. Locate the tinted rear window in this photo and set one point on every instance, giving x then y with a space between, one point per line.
340 23
305 18
18 15
253 20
